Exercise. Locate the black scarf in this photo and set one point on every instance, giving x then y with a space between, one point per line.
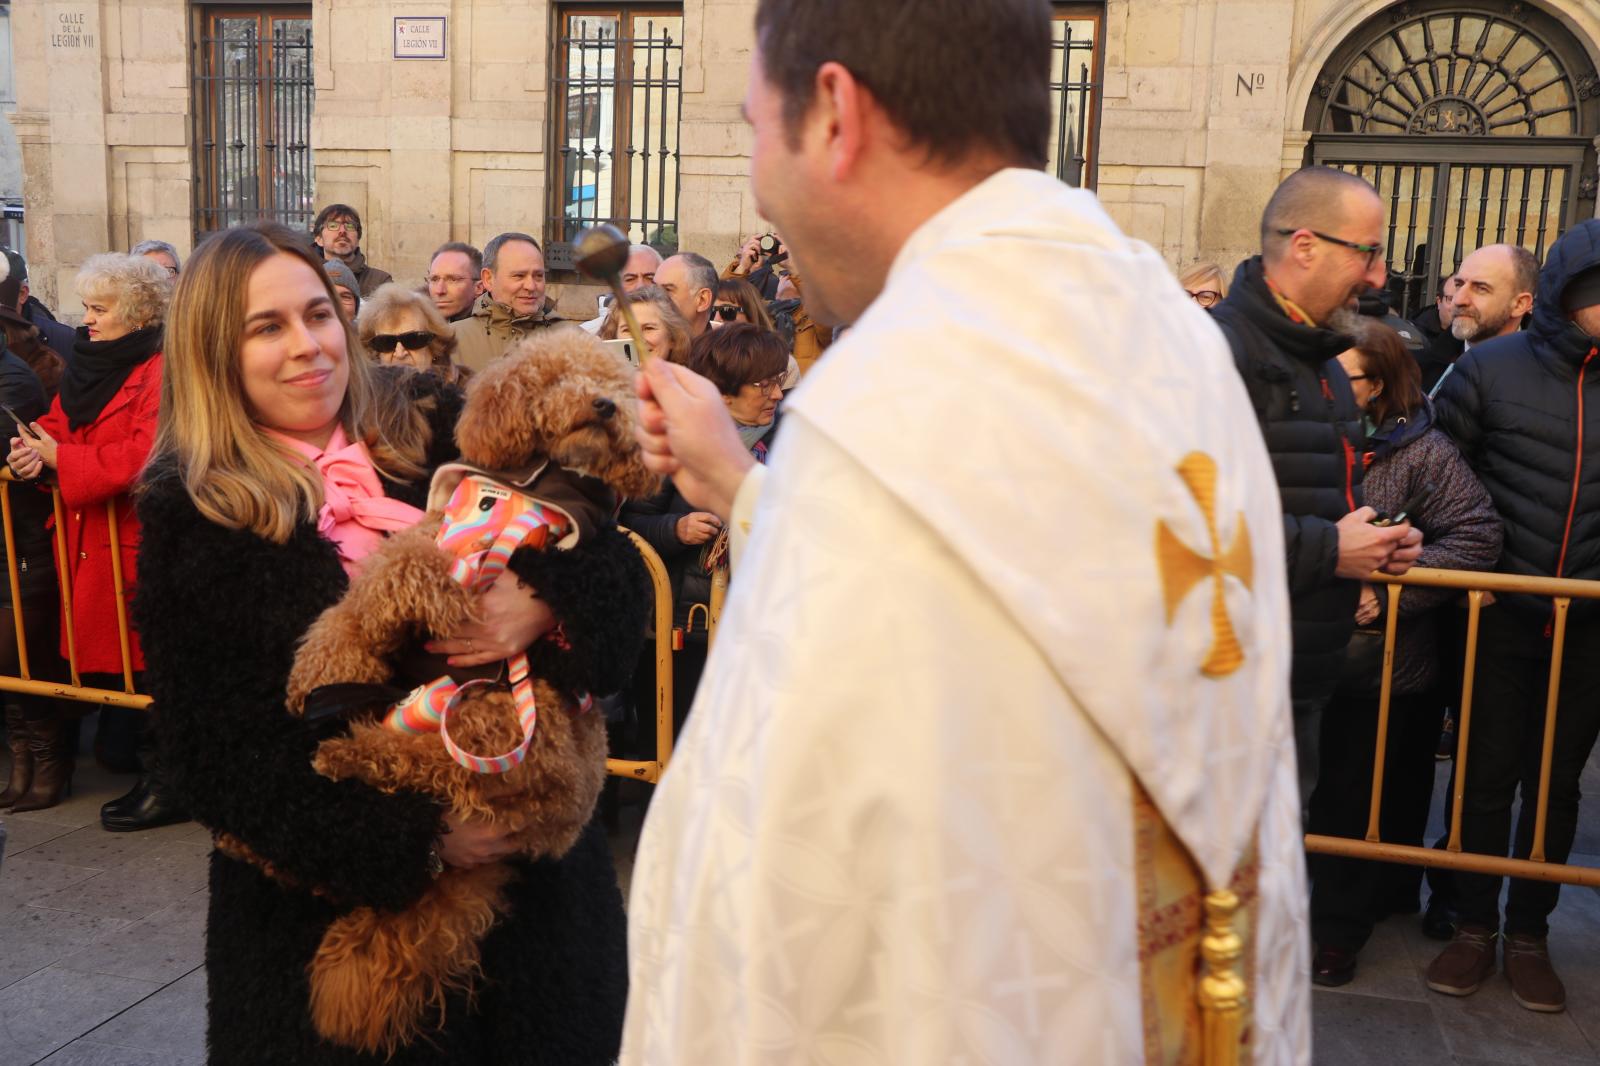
98 368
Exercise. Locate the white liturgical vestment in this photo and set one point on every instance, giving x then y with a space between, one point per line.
1012 612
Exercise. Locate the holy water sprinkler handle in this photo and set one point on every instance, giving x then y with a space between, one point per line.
600 252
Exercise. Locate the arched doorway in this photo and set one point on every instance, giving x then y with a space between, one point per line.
1473 118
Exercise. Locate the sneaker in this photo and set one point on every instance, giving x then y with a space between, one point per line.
1463 967
1534 983
1332 967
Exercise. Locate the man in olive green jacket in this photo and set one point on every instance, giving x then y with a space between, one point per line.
512 305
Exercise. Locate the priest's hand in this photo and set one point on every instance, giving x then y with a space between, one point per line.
688 435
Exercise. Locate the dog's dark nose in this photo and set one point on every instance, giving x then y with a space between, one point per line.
605 408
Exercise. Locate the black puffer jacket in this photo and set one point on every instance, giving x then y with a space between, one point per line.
1525 411
1313 432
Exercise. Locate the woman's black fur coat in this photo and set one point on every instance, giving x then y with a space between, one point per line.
220 613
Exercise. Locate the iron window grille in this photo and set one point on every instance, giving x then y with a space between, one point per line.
255 94
1076 67
616 107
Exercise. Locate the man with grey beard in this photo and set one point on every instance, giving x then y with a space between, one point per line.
1494 293
1321 247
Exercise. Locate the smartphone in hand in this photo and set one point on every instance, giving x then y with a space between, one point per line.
24 430
1418 500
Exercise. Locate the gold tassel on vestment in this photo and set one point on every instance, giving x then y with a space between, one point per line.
1222 993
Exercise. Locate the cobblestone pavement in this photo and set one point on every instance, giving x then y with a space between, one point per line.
101 957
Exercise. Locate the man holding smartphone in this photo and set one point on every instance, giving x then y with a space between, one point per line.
1320 249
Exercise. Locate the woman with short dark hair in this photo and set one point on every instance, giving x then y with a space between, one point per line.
747 366
1411 465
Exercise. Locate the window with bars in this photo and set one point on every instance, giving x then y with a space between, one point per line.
254 96
1076 63
616 103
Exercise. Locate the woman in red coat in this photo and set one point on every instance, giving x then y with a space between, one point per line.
95 439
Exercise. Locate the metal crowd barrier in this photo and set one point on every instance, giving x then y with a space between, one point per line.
24 681
1562 592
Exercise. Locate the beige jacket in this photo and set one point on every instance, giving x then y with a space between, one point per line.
484 335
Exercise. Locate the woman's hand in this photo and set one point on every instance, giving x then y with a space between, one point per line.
510 618
469 842
25 460
1368 607
697 527
42 443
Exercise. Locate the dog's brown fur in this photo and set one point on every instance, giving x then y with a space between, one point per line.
377 975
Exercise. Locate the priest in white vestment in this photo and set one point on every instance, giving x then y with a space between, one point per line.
1001 687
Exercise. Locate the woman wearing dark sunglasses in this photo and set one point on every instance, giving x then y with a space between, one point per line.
738 301
398 326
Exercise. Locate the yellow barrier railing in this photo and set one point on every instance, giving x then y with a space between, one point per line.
651 769
24 681
1561 591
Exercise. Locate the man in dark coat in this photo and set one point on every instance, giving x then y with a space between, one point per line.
14 295
1439 346
1524 409
337 235
1320 248
1493 294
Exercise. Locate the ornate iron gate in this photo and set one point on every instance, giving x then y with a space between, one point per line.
255 92
1472 119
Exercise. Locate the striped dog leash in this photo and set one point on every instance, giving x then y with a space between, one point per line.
484 524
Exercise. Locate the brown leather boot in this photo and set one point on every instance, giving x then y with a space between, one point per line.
54 757
21 756
1534 983
1463 967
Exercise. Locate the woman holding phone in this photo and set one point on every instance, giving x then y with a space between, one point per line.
1411 465
283 458
92 443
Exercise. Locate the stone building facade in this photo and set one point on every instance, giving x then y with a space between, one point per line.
498 117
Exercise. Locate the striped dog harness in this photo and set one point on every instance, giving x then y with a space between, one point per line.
484 523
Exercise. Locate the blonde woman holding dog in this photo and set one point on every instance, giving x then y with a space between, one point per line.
280 461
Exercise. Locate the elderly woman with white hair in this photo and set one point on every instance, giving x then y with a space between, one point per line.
399 326
93 443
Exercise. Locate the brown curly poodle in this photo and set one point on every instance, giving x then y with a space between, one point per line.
563 399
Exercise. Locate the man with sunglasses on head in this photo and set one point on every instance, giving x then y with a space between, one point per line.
1284 317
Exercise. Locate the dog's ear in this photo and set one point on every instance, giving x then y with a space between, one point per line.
497 428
